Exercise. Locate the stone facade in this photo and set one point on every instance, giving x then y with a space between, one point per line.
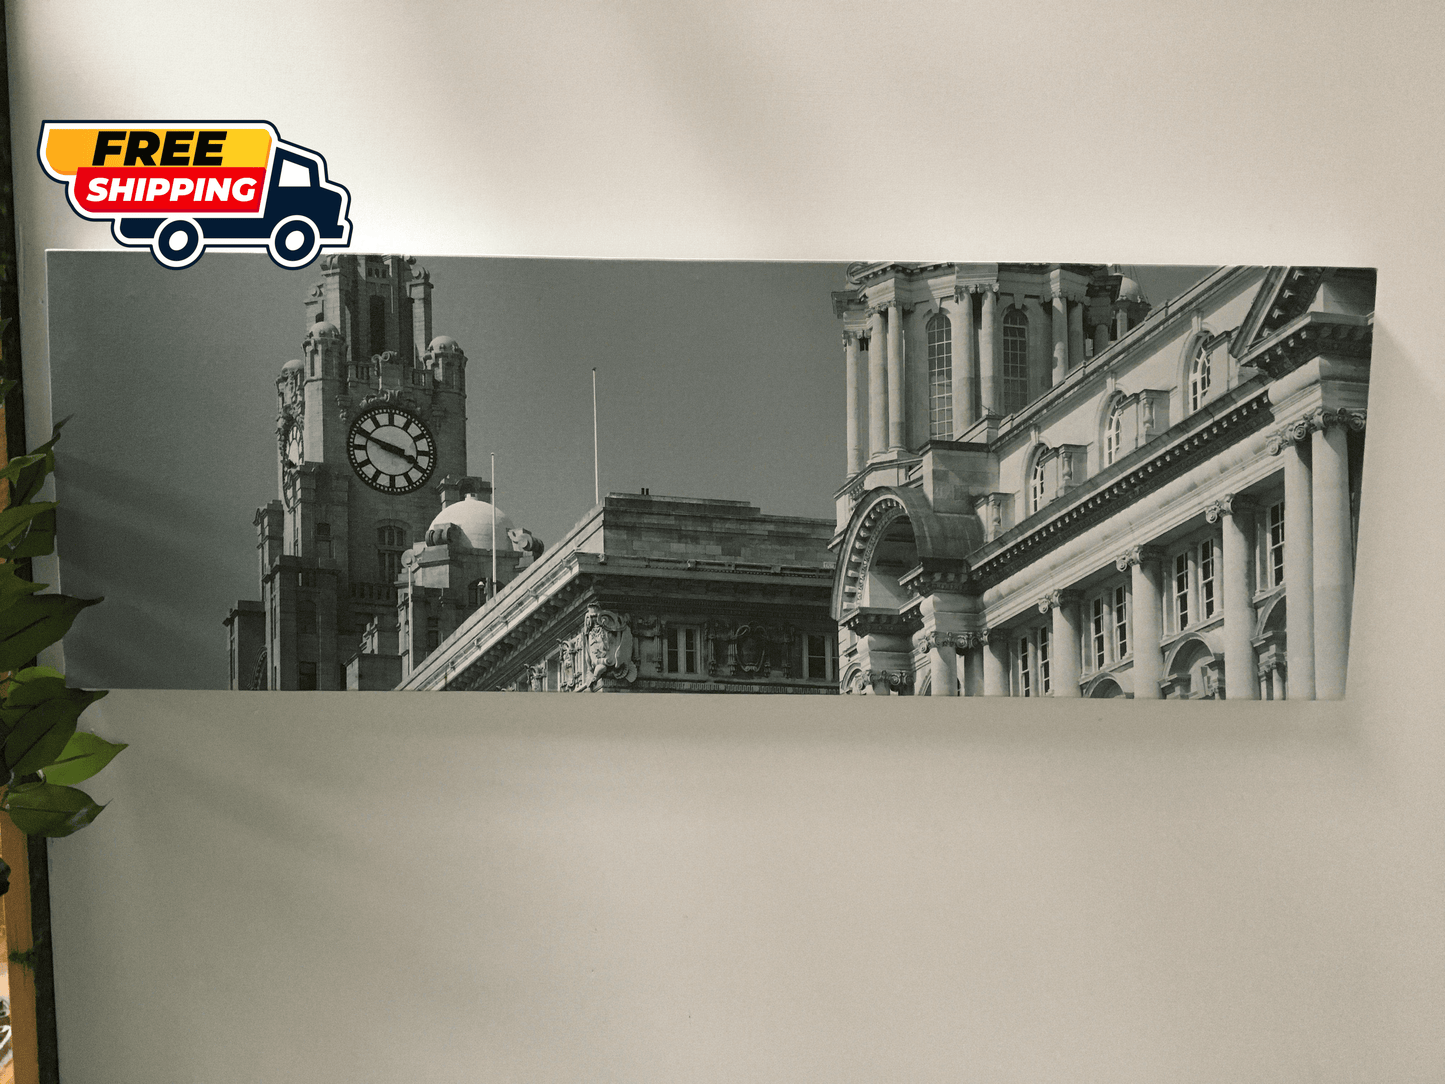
1055 488
657 594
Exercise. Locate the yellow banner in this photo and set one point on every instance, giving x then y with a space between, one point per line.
67 149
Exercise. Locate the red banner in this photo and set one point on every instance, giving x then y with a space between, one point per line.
165 192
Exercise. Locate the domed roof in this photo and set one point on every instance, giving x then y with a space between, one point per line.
324 327
1129 288
293 367
473 517
444 343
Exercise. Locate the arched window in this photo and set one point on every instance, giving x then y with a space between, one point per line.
940 378
1015 361
1198 378
1114 433
1036 484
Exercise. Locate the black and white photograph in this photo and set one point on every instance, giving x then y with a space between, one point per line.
1003 359
877 478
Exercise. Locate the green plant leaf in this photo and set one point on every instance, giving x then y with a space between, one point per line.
39 716
13 587
37 540
50 810
14 522
84 755
33 622
27 473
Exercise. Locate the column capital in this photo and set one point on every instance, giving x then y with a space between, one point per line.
1137 555
1316 420
1231 504
894 679
1343 418
959 641
1055 599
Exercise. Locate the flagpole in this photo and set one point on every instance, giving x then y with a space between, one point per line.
494 524
596 469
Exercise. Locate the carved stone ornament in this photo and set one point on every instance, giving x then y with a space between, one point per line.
1229 505
959 641
608 642
1049 601
537 677
754 649
1320 418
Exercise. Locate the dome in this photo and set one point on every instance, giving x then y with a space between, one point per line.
444 344
473 518
325 327
293 367
1129 288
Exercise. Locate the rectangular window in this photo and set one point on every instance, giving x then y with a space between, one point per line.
1206 577
940 378
682 651
1181 591
818 658
306 676
1100 638
1046 682
1014 357
389 565
1121 622
1025 677
1276 544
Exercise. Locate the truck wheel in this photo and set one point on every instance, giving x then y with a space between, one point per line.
294 242
177 243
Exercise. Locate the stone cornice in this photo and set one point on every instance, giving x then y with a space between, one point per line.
1121 485
937 574
867 619
1307 337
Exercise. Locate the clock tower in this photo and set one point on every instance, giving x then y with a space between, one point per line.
371 442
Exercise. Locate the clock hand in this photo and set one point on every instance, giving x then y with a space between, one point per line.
394 450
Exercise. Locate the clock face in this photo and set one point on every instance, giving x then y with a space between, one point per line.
293 455
391 450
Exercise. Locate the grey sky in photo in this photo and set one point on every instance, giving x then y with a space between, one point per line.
715 379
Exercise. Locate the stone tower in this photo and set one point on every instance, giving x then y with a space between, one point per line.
371 440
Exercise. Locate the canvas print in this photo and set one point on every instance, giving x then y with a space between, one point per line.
877 478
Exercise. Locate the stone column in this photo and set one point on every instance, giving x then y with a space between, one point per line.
1064 641
1146 619
995 662
965 358
877 383
989 381
943 663
1299 575
1076 334
895 375
1061 338
855 447
1241 665
1334 575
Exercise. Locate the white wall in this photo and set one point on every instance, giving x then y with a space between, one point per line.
331 888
